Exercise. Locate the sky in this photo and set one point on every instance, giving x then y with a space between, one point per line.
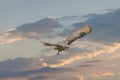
17 12
23 23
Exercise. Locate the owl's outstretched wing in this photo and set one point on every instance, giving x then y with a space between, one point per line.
48 44
77 34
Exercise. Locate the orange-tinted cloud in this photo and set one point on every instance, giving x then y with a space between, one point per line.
42 28
10 36
79 77
88 54
103 74
110 66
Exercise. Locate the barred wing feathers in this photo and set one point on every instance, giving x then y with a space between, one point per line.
77 34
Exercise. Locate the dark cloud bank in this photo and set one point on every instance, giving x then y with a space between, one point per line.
105 26
25 68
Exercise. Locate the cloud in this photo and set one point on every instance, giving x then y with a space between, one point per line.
45 73
46 67
42 28
10 36
14 79
85 65
103 74
114 57
21 64
79 77
105 30
110 66
105 26
93 61
102 49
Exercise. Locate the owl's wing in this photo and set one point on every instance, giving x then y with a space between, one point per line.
48 44
77 34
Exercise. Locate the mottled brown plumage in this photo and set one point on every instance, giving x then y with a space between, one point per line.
79 33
